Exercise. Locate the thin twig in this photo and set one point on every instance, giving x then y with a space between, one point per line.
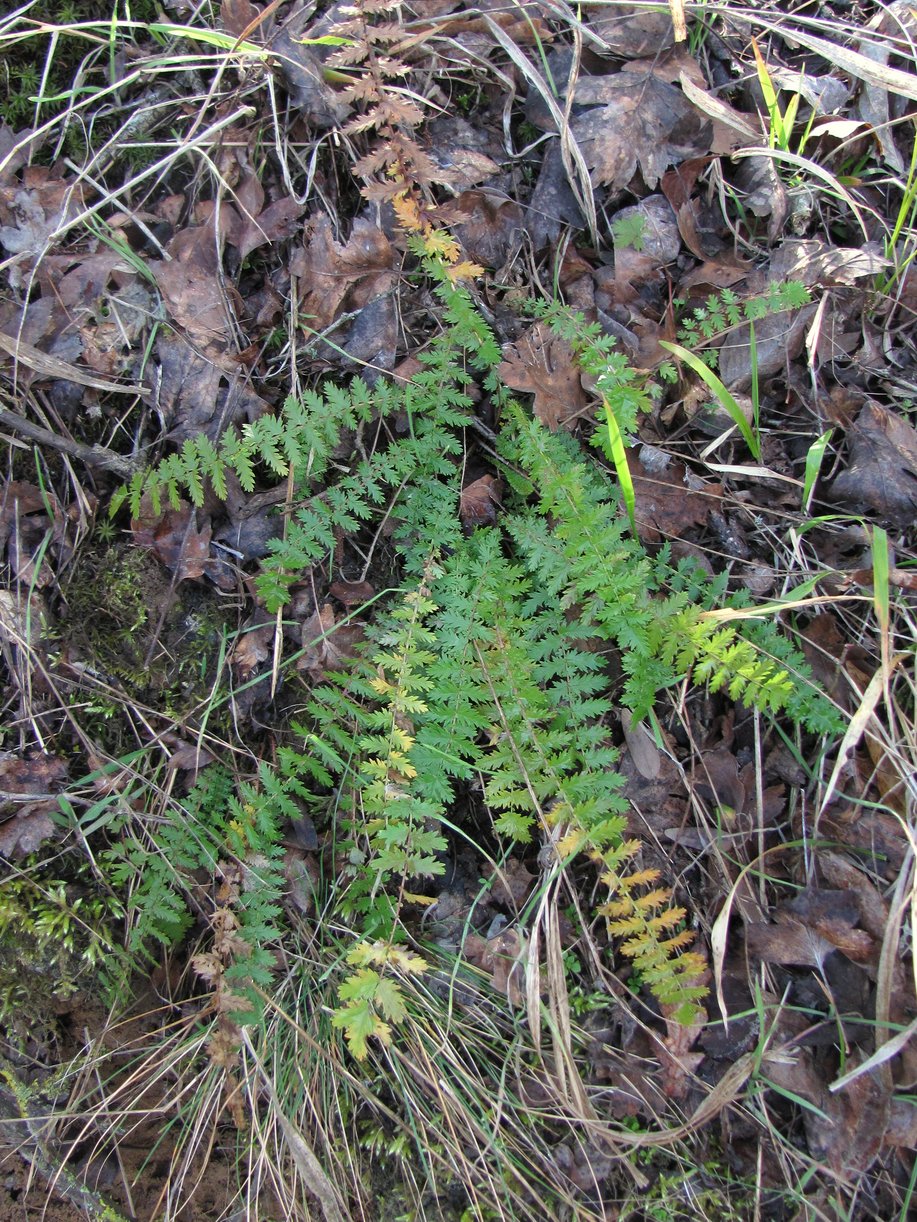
93 456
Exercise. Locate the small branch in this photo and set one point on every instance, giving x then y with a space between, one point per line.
93 456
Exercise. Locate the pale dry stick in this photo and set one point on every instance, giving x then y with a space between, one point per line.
903 898
130 213
574 162
855 730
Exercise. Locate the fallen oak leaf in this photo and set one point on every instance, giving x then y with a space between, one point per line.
635 120
542 364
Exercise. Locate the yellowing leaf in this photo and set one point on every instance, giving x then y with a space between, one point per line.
465 271
411 898
390 1001
413 965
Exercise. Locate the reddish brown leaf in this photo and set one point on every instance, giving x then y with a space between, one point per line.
851 1134
238 15
543 365
338 276
665 506
27 831
479 501
192 290
352 593
177 541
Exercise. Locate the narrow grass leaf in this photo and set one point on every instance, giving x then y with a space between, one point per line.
619 458
725 398
814 460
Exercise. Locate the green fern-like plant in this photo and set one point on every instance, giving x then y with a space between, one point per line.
231 838
724 311
486 666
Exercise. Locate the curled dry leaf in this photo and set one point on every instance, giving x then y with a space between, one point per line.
643 750
327 645
503 958
492 227
253 646
480 501
809 928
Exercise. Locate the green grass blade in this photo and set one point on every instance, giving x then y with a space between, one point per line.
622 470
814 460
725 398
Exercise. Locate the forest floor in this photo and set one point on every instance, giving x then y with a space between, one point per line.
474 777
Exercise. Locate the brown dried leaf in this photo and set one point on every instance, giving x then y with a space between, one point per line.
665 507
809 927
833 915
27 831
789 944
31 211
542 364
817 263
238 15
492 227
252 647
303 877
352 593
189 757
39 777
338 277
479 502
512 883
881 477
851 1132
327 644
505 959
765 194
636 120
630 30
177 541
192 290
